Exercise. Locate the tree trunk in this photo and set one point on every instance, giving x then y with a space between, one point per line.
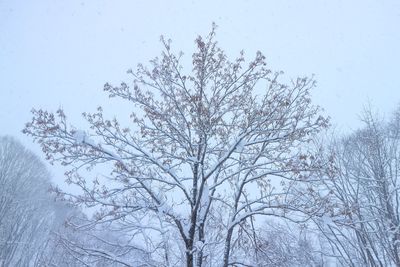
227 247
189 258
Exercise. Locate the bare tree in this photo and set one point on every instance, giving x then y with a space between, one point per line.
205 156
287 245
25 210
69 246
362 225
32 229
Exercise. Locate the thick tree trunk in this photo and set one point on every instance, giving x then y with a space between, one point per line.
227 247
189 258
199 261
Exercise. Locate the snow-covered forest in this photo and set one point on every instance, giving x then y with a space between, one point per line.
200 158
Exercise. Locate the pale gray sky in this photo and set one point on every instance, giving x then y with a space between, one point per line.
60 53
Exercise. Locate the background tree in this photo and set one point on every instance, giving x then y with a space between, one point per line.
68 245
26 215
32 224
288 245
362 223
205 156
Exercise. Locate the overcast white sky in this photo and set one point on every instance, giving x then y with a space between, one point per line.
60 53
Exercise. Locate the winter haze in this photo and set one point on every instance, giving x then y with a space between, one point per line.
58 55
